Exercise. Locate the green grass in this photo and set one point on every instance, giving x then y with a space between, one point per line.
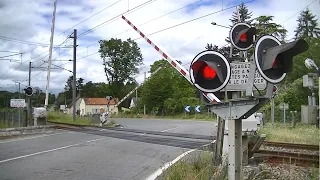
197 167
65 118
302 134
199 117
2 125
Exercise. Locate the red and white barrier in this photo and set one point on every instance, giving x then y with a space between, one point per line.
172 61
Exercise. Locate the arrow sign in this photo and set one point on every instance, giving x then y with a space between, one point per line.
187 108
197 108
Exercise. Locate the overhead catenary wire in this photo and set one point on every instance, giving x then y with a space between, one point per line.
298 12
176 25
116 17
57 36
149 21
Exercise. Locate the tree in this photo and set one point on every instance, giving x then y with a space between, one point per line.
307 25
211 47
69 87
299 68
265 25
245 15
164 92
121 60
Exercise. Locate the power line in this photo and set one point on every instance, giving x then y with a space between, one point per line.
181 24
161 16
95 14
24 42
156 32
298 11
116 17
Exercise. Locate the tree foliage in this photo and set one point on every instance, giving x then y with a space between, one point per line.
166 91
120 59
265 25
307 25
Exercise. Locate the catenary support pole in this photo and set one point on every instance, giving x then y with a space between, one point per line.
74 90
29 99
19 116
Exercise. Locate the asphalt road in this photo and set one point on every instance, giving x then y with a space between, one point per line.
132 152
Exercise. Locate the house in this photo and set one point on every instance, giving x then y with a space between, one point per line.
90 106
133 102
70 107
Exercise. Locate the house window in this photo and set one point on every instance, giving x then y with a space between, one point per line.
82 111
95 111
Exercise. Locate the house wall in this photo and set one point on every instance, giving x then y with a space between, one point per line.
70 110
82 108
91 109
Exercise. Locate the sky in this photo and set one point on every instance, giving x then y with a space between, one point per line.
25 30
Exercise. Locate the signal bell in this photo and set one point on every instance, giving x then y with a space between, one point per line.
210 71
28 90
274 60
241 36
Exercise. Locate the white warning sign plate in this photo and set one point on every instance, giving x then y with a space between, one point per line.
239 77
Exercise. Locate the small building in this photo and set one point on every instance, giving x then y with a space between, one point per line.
89 106
70 107
134 102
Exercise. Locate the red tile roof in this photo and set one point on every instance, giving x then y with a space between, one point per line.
99 101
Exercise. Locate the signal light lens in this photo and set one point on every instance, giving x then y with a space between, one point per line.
275 62
209 73
243 37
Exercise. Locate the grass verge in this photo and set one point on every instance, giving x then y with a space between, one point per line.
195 167
301 134
66 118
199 117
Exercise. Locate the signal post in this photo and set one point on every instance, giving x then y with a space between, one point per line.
216 76
211 72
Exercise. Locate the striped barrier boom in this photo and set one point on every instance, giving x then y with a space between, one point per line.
173 62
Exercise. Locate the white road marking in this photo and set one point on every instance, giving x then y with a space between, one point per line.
169 129
159 171
35 137
51 150
167 165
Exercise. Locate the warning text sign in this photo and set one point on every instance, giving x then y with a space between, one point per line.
239 77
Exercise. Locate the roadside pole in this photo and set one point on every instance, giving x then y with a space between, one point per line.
19 116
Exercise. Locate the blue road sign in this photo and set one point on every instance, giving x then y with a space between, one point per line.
187 108
197 108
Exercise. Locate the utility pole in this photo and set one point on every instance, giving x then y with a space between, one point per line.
29 99
74 91
144 106
19 116
50 54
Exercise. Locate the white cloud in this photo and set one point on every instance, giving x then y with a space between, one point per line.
32 22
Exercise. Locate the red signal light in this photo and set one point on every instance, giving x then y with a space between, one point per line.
243 37
274 64
209 73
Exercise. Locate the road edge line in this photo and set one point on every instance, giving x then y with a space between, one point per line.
159 171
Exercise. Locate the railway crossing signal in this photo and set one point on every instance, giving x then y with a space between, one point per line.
242 35
210 71
28 90
273 59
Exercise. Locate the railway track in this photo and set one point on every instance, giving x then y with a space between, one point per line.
288 153
281 157
292 146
